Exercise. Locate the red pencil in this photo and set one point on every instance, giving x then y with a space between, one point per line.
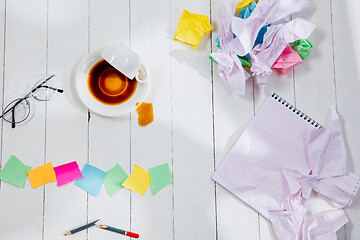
117 230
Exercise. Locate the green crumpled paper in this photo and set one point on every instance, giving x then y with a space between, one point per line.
302 47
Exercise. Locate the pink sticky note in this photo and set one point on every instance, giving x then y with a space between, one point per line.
288 59
67 172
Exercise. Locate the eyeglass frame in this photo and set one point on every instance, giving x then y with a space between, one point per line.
25 98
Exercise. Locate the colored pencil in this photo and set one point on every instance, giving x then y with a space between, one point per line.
117 230
82 228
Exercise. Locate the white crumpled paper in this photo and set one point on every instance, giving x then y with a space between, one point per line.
246 30
276 39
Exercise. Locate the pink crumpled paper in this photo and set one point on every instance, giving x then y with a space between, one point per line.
288 59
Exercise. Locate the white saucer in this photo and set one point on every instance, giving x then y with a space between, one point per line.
82 72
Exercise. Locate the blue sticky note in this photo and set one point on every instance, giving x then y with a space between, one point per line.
92 180
252 6
217 41
245 13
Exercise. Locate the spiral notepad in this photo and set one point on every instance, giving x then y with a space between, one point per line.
295 110
281 145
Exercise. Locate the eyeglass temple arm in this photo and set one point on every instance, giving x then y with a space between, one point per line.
40 85
54 89
13 118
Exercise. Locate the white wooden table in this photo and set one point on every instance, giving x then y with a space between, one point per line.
196 117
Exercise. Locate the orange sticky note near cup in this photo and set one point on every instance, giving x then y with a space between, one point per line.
42 175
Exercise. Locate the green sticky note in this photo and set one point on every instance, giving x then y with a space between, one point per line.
113 180
160 177
14 172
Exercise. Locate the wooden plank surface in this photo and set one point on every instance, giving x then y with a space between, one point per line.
197 118
231 115
194 192
26 141
347 78
2 64
66 125
153 216
109 138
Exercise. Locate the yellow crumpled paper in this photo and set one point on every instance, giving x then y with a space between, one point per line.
192 27
244 4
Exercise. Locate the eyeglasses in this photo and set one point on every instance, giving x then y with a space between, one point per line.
19 109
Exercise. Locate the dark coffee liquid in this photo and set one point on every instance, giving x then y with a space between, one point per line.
108 85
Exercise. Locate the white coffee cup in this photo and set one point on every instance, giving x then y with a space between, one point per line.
126 61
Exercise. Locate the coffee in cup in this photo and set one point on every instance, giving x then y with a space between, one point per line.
108 85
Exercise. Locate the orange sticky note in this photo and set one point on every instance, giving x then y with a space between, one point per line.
42 175
138 181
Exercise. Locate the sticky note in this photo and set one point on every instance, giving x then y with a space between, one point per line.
191 28
113 180
243 4
245 13
67 172
42 175
160 177
138 181
14 172
92 180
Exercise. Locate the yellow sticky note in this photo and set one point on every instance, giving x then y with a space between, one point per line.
42 175
138 181
192 27
244 4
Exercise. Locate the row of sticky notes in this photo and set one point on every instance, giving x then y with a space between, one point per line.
90 178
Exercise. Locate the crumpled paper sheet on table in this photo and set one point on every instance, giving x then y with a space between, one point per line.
230 68
280 158
266 12
246 32
246 12
276 39
288 59
191 28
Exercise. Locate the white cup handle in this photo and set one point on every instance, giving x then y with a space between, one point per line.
145 79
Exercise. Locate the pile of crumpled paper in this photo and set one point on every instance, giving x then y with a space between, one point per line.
256 37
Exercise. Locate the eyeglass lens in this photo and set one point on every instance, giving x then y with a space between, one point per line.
19 109
18 113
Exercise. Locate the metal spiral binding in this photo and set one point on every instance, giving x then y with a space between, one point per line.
295 110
